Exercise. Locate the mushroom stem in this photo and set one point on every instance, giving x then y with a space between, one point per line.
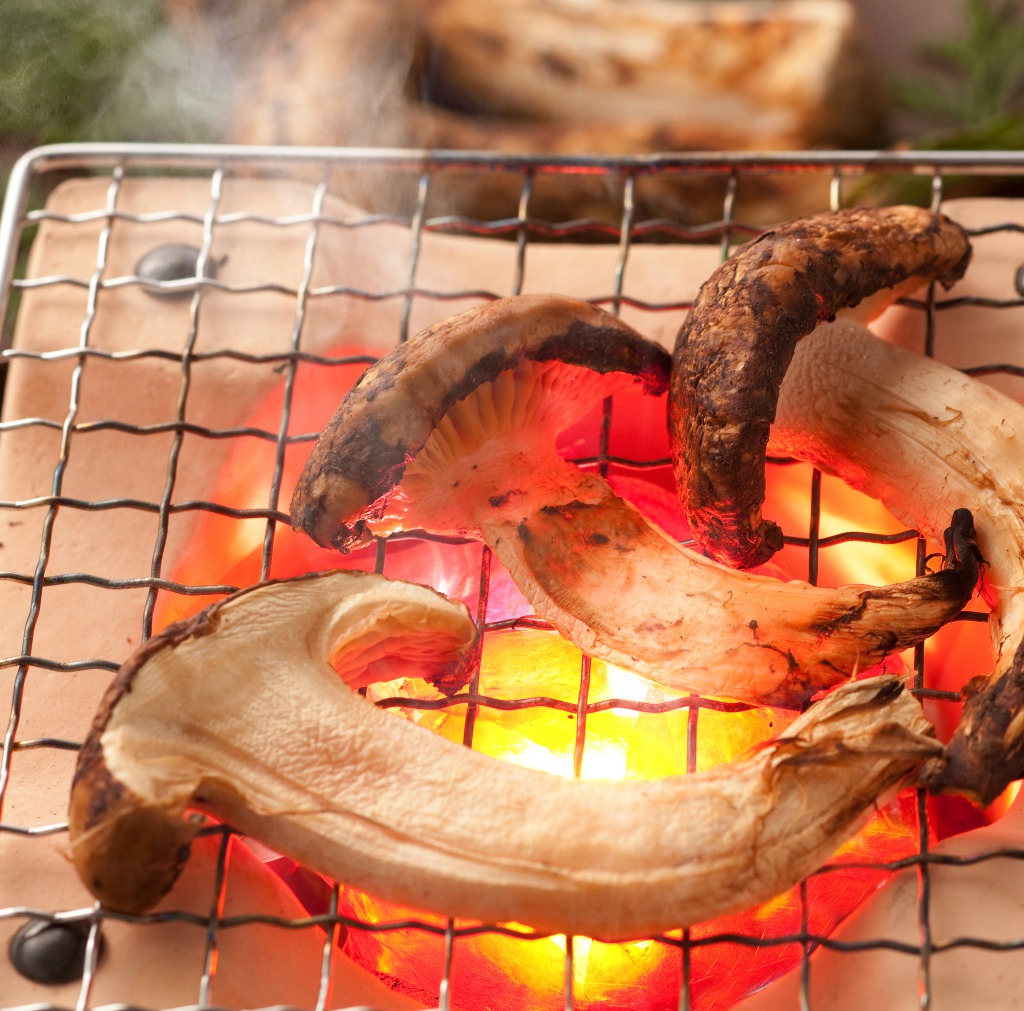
239 713
692 624
738 340
920 436
455 432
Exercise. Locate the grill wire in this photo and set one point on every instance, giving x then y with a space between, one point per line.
837 175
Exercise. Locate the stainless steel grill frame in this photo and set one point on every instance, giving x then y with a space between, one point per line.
837 173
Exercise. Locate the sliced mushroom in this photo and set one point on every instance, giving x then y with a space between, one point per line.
454 432
919 435
545 360
239 713
738 339
212 711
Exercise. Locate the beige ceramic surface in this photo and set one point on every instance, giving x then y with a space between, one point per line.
258 965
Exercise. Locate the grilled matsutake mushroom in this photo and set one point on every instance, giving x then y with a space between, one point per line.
239 713
212 713
454 433
738 339
920 436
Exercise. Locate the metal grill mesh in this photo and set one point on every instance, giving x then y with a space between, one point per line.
412 180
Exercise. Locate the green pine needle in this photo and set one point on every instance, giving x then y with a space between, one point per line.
97 70
970 93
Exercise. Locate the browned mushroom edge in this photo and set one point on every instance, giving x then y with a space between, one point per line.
357 462
738 340
130 851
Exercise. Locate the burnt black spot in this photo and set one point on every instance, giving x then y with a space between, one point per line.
524 533
889 690
607 349
378 379
497 501
483 370
888 641
848 617
598 539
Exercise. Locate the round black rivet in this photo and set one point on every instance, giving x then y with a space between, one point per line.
172 263
46 951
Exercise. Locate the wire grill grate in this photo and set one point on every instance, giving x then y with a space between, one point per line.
294 289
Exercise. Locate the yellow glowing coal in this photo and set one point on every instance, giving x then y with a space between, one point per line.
620 743
517 973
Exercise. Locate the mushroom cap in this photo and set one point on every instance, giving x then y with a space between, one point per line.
388 417
738 340
221 680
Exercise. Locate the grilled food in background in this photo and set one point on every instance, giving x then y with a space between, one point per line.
557 77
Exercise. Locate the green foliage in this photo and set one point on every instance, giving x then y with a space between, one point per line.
96 70
969 94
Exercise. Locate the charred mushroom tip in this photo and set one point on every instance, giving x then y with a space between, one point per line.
962 541
738 340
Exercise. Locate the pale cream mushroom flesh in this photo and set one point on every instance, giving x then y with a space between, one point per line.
241 713
918 436
455 432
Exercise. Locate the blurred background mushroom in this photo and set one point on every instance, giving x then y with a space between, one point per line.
542 76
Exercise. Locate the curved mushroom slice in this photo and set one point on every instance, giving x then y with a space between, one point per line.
220 701
739 338
239 713
552 358
919 436
454 432
623 591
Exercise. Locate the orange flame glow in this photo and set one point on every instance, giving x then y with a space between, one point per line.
514 970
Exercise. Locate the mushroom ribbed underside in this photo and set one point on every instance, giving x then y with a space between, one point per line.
494 453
